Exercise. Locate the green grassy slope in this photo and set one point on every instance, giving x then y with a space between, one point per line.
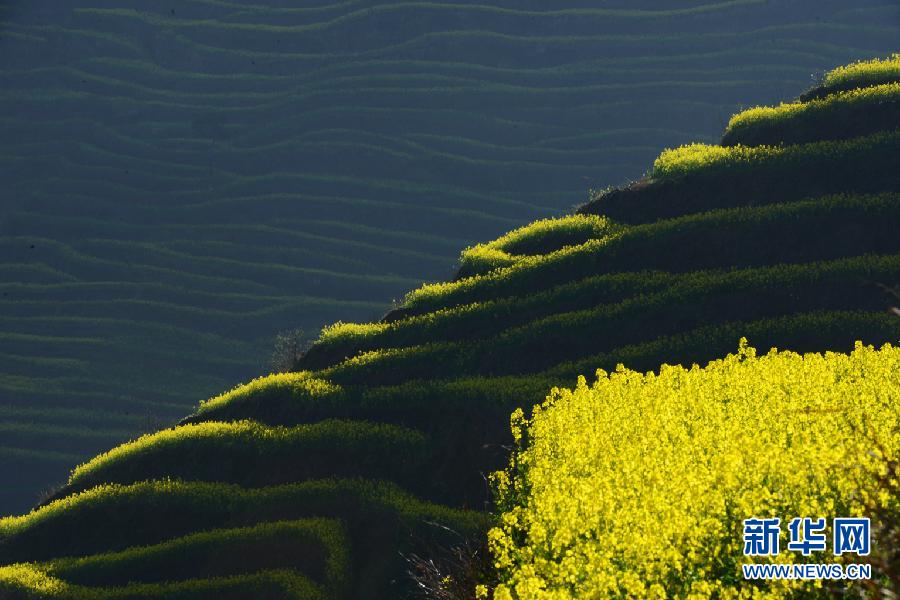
377 444
182 182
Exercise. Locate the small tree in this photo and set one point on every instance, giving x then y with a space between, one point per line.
289 346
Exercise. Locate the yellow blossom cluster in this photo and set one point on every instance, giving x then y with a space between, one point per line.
694 157
827 107
869 72
538 238
637 486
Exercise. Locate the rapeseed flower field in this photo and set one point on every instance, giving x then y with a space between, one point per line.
636 485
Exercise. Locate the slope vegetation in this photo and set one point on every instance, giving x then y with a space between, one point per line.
376 444
182 182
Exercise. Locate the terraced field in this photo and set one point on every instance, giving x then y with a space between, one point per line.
320 482
180 183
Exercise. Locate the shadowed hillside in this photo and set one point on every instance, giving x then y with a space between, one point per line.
182 181
376 446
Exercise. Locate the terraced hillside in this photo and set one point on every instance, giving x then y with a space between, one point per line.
181 182
317 482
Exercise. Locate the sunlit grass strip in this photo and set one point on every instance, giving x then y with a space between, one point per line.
97 519
694 158
481 319
242 452
765 293
31 582
301 384
438 398
628 249
637 485
540 237
447 399
830 108
320 550
709 294
860 74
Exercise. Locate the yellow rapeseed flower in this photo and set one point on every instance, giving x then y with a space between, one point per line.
636 486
